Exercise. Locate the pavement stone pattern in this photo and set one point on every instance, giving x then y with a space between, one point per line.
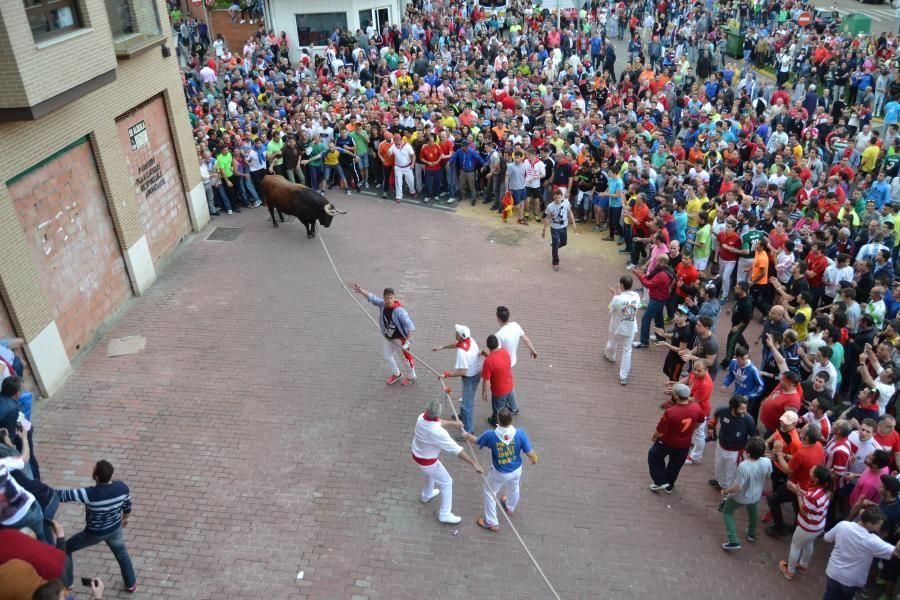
259 439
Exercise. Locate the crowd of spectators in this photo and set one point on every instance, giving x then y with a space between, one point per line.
761 185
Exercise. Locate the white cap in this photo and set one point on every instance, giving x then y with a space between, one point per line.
463 331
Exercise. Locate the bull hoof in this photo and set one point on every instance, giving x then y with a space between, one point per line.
274 224
310 235
282 219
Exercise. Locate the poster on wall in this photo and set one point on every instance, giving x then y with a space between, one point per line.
138 135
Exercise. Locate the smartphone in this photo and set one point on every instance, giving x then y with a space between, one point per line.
86 581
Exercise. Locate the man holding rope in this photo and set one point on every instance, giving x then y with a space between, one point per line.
397 328
429 440
506 444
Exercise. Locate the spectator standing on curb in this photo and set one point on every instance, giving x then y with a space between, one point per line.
746 491
430 439
107 508
397 328
672 439
507 444
623 309
468 368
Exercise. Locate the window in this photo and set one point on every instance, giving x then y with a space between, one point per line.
48 18
135 26
315 29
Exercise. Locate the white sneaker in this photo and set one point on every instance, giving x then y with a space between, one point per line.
450 519
348 192
652 337
451 200
426 200
630 267
433 495
243 21
608 358
230 213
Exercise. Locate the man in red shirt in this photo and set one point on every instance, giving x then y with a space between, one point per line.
887 438
701 392
786 394
799 470
816 263
729 243
431 156
672 439
497 369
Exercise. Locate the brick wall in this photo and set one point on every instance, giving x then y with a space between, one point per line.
63 211
156 181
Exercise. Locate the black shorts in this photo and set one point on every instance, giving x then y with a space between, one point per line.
533 192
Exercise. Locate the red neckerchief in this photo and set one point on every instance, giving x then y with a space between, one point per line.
464 344
425 416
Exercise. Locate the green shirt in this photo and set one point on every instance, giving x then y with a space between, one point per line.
837 359
314 151
702 244
224 162
274 147
749 240
361 139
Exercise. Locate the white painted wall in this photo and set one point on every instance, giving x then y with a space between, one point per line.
282 14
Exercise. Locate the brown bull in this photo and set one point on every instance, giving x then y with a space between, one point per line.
298 200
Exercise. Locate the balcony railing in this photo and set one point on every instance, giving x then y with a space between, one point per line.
135 26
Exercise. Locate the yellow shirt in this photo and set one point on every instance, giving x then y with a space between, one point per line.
802 329
331 157
869 156
693 206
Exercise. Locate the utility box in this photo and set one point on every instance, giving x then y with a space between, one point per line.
857 23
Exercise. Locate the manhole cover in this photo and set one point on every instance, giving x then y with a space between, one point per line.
224 234
506 236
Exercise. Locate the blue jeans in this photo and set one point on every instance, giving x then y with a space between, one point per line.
220 192
34 520
432 183
249 189
558 239
505 401
467 411
654 312
116 542
838 591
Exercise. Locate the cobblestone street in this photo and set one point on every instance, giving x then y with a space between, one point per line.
259 439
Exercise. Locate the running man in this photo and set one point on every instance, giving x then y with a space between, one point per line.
397 328
559 213
507 444
429 440
623 309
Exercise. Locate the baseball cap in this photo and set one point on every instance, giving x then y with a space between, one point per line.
463 331
789 418
681 390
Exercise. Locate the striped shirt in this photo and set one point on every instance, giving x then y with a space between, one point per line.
837 457
813 507
104 505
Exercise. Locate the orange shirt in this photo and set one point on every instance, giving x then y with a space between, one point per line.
384 152
759 272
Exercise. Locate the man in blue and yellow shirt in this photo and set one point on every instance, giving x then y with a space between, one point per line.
507 444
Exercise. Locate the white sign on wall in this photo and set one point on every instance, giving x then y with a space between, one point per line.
138 135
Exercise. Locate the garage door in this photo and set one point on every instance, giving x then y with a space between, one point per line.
63 211
147 144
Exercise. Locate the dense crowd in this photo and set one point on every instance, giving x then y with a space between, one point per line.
734 193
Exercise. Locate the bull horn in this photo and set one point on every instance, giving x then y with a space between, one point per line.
330 210
340 212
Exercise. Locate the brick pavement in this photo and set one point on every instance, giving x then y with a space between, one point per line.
259 439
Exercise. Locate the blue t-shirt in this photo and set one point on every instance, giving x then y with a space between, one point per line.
891 112
506 457
613 186
681 221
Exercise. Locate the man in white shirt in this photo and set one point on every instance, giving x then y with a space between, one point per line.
623 309
509 335
429 440
855 545
558 215
863 444
468 368
404 161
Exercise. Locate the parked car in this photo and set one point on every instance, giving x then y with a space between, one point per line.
824 18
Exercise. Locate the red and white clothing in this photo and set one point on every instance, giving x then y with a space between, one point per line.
404 157
810 525
429 440
838 454
823 423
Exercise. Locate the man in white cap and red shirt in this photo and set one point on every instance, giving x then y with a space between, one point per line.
506 444
429 440
468 368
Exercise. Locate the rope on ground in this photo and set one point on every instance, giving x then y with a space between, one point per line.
449 400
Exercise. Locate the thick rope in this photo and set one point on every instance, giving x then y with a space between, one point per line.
447 397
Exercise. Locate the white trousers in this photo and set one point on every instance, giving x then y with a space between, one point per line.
699 441
726 465
436 476
496 481
399 176
744 263
391 349
612 350
726 269
801 548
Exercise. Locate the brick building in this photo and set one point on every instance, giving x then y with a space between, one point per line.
99 179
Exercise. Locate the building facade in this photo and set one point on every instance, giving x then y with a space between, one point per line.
99 178
309 24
